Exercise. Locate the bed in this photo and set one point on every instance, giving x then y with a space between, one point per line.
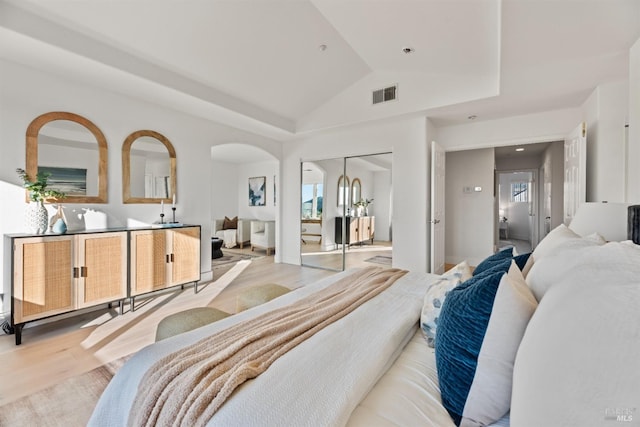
375 366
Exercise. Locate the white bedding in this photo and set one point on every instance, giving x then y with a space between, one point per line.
318 383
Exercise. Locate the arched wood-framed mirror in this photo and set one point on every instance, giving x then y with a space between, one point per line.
74 151
343 189
153 179
356 190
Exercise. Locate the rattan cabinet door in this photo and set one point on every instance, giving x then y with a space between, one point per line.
43 277
185 255
102 258
149 261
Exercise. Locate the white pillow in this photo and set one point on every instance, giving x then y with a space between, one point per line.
557 236
435 296
559 262
578 363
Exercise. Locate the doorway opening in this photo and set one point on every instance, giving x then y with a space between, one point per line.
517 210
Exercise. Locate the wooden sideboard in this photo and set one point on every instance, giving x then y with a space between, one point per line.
359 230
52 274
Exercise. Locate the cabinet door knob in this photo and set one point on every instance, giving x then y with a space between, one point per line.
83 271
167 258
76 272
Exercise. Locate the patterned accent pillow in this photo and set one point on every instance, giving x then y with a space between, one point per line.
436 295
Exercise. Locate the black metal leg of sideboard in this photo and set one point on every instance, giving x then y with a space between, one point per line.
195 287
131 303
18 332
121 305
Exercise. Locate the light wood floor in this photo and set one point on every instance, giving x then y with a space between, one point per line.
355 255
58 350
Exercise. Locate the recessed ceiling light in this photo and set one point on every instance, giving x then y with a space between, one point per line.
408 50
322 47
519 149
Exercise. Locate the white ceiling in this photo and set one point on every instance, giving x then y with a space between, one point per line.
257 64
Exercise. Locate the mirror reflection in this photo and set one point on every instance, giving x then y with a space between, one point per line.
73 151
335 236
356 191
343 190
148 160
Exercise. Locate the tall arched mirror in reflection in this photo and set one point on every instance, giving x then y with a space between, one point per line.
73 151
343 190
356 191
148 168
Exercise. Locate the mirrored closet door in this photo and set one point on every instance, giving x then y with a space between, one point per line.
346 212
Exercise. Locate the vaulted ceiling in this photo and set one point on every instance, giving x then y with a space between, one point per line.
282 68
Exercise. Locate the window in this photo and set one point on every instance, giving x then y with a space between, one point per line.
311 200
520 192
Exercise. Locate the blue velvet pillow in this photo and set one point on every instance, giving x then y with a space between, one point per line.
521 260
493 260
480 327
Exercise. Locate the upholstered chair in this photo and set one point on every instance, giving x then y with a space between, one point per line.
263 235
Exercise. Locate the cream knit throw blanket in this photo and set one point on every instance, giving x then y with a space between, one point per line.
187 387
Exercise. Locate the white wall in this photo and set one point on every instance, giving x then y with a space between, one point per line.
525 129
224 188
605 113
383 195
26 93
469 229
405 138
633 154
269 170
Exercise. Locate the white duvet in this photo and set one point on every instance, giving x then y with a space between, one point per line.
318 383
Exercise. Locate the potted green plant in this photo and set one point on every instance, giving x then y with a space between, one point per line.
37 216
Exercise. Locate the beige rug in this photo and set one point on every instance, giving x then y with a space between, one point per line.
67 404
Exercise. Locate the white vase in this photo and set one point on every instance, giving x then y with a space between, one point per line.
37 218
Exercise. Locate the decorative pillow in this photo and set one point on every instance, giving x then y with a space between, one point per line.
521 260
493 260
230 224
559 262
481 325
558 235
436 295
578 362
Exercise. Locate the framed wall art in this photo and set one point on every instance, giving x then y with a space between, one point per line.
257 191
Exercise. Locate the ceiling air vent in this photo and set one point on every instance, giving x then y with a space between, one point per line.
384 95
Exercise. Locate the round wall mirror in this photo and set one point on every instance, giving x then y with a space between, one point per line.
73 151
148 168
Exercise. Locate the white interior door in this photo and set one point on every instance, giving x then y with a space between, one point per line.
437 208
575 171
533 210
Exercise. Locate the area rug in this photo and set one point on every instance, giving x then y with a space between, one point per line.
380 259
66 404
